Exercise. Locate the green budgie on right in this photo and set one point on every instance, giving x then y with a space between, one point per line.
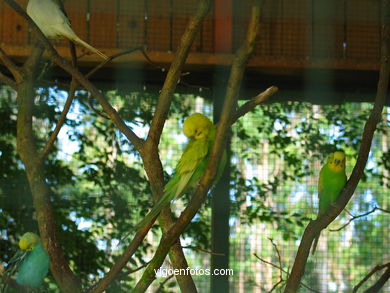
332 180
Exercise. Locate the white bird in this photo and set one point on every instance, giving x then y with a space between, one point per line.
52 21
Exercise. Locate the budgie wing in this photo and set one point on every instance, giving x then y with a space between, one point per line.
192 156
190 161
322 202
34 268
13 266
323 191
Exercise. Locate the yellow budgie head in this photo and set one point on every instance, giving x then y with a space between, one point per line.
336 161
197 126
28 241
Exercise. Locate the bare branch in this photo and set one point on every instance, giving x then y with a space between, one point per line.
162 284
359 216
129 272
252 103
197 199
315 227
368 276
280 268
12 67
60 123
270 263
122 261
5 79
279 257
104 62
149 151
203 250
174 73
380 283
112 113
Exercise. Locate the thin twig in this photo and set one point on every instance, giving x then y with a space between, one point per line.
60 123
65 110
162 284
204 250
5 79
284 271
270 263
348 212
279 257
122 261
276 285
368 276
110 58
252 103
99 113
359 216
12 67
132 271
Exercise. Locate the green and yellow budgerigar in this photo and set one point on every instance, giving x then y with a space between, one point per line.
31 263
331 181
192 164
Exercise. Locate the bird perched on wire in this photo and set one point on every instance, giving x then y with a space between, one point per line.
331 181
51 19
192 164
31 263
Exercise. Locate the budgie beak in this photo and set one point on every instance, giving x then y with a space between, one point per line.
337 162
199 133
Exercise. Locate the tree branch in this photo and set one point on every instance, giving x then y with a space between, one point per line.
122 261
150 156
380 282
196 201
40 190
60 123
110 58
314 227
279 257
162 284
203 250
252 103
12 67
112 113
9 81
174 72
359 216
279 267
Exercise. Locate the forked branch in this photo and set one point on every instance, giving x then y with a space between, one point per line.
314 227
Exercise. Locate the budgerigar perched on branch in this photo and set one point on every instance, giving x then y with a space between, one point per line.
331 181
31 263
192 164
52 21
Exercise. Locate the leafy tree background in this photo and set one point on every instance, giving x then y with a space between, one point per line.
99 189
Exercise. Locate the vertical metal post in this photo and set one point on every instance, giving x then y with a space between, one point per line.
220 202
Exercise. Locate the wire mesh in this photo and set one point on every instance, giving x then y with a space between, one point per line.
300 29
